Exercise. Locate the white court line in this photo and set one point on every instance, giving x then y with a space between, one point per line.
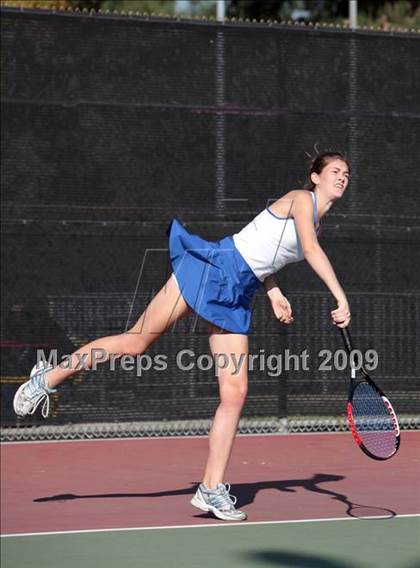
214 525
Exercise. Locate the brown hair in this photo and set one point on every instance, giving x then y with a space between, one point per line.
318 164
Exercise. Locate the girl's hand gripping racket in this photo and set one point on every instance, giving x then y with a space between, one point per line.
370 415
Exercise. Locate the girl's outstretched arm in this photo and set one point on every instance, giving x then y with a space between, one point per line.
316 257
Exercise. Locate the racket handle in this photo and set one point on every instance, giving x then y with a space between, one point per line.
346 338
345 333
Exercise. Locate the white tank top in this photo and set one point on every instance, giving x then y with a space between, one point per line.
270 242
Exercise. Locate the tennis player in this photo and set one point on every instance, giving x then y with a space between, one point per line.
217 281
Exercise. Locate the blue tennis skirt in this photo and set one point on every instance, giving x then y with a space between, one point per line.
214 279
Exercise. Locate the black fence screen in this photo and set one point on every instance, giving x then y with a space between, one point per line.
112 126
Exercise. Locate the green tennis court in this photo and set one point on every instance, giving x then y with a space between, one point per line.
332 544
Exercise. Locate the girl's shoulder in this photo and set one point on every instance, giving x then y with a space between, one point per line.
285 204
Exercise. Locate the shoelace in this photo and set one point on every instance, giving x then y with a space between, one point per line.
224 498
45 407
37 388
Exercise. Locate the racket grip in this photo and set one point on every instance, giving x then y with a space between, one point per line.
345 333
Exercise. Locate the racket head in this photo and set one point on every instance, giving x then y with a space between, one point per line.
372 419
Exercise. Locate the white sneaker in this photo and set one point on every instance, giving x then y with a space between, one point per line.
30 395
218 501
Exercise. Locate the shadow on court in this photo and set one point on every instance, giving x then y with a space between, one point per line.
290 559
246 493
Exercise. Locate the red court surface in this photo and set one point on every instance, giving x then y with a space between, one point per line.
66 486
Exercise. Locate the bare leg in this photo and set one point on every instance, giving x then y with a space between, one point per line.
233 390
165 308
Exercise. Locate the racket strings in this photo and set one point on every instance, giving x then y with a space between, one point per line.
373 421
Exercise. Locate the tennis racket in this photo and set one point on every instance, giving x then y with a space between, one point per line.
371 418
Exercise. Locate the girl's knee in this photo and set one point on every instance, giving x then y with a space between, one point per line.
133 343
234 394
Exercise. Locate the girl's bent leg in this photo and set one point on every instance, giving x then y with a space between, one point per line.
164 310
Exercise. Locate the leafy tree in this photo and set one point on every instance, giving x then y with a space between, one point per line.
383 13
370 12
36 3
166 7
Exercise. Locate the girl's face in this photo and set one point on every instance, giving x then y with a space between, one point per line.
333 179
